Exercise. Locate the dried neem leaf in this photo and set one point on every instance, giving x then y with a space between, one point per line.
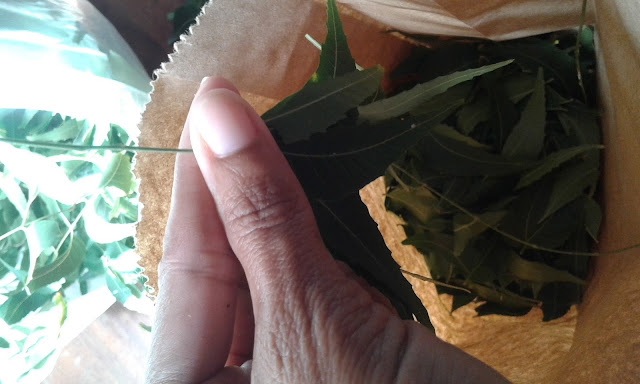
321 104
517 150
473 114
408 100
570 183
419 201
465 228
514 172
353 154
539 273
552 162
451 156
335 58
527 137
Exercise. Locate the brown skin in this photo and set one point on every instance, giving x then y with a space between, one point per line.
249 293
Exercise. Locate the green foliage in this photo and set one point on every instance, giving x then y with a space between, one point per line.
335 58
509 180
527 137
552 162
333 97
409 100
66 218
339 127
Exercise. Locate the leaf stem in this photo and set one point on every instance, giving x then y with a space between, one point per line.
398 179
70 230
32 198
74 147
315 43
576 51
436 282
509 236
14 230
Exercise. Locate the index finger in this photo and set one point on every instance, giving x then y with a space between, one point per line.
198 284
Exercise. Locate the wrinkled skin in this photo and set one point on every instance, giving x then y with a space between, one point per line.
249 293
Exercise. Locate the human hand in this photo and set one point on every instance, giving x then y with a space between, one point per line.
249 293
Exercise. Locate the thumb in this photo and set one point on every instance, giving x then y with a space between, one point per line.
265 213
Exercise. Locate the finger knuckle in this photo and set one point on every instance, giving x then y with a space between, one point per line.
261 205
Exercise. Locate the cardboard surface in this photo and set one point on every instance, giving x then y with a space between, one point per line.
260 46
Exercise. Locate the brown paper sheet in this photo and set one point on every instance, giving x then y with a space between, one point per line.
260 47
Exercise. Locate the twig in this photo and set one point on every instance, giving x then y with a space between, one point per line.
576 51
510 236
75 147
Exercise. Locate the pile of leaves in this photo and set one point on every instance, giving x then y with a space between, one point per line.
340 132
500 197
67 220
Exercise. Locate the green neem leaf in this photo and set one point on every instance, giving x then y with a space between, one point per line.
124 206
465 228
319 105
473 114
4 343
418 201
41 236
102 231
527 137
457 158
524 219
569 185
40 172
555 101
118 174
538 272
335 58
519 86
19 274
593 218
450 133
505 298
407 101
69 129
536 53
453 97
437 249
11 188
351 236
552 162
581 122
64 265
117 285
39 122
21 304
353 155
504 114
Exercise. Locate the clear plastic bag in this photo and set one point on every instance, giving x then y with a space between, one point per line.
63 65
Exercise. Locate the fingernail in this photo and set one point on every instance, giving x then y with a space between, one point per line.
222 120
203 86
